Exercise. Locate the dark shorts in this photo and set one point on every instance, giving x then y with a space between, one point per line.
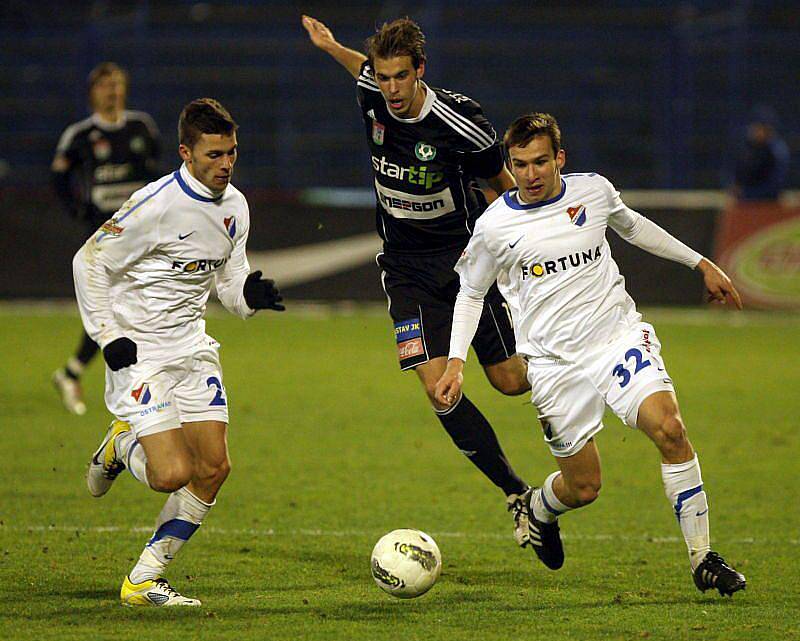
422 292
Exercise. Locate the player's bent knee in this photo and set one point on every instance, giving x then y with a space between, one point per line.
585 491
506 384
170 479
213 473
588 493
509 380
673 433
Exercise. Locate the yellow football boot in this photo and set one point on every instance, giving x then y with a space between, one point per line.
158 593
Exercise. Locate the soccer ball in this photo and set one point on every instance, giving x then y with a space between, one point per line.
406 563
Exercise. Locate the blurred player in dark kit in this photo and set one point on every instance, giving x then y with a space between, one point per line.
99 162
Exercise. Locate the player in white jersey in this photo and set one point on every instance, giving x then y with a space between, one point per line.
544 242
142 283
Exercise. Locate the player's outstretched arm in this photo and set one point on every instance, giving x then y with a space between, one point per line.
718 285
448 387
322 38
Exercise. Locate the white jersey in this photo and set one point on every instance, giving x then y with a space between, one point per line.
553 264
146 274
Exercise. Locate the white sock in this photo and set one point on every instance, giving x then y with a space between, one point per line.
684 488
545 504
180 517
132 454
75 367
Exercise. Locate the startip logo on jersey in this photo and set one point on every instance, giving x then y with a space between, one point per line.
537 270
419 175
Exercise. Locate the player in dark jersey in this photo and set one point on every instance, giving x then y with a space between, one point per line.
428 148
99 162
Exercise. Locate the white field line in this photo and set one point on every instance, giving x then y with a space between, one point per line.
303 532
695 316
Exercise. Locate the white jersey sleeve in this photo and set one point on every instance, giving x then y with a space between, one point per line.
230 279
478 270
644 233
132 233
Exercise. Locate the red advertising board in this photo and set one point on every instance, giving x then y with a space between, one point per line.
758 245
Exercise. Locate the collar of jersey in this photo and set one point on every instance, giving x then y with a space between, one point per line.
430 98
98 122
193 187
512 201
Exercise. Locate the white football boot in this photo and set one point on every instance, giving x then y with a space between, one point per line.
70 392
515 504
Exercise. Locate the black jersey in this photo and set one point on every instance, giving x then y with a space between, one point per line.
107 163
426 167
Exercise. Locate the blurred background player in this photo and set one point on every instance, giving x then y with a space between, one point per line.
762 164
142 282
99 162
428 147
586 344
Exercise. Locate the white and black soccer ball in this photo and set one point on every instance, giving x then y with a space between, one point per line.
406 563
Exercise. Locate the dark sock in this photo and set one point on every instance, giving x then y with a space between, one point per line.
70 373
476 439
88 348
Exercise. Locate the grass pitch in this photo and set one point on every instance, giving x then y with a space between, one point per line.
332 447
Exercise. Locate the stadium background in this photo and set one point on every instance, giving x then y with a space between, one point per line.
653 95
332 447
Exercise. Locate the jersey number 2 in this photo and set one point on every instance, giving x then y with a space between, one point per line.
639 364
218 399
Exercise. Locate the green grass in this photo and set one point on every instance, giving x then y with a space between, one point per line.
332 447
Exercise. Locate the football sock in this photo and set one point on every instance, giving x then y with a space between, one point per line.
476 439
180 517
545 505
88 348
132 454
74 368
684 488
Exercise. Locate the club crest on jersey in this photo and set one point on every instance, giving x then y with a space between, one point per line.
378 132
577 215
101 149
424 151
230 225
142 394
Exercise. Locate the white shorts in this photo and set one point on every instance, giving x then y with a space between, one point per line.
572 398
158 394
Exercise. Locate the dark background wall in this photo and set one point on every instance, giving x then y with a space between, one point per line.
650 94
653 93
36 249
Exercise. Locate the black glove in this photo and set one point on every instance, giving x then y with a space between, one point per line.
120 353
262 294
